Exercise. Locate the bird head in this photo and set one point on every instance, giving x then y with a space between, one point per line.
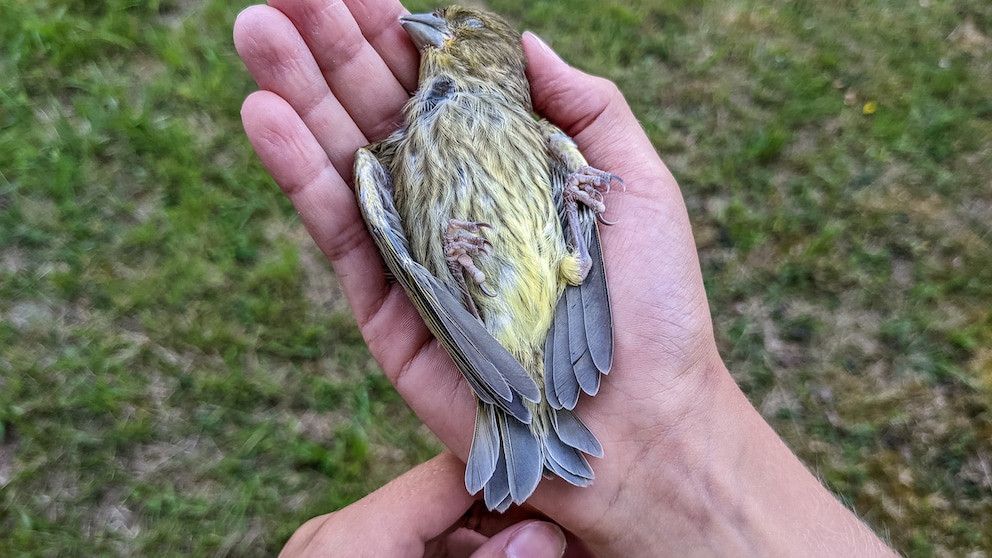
471 45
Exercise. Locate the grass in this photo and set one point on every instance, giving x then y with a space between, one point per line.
179 374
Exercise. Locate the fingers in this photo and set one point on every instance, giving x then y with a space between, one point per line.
531 539
396 334
396 520
295 159
307 139
424 505
355 67
426 500
378 22
327 208
281 62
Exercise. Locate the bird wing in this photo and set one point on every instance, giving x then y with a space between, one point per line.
579 348
494 374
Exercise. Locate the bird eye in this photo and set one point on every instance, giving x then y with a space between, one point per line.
473 22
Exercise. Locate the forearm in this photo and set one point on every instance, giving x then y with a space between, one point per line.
772 503
726 485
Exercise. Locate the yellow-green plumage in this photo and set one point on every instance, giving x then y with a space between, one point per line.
466 202
524 268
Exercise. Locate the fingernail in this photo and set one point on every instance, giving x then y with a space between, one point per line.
536 540
544 46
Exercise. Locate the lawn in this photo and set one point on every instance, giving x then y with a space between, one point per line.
179 372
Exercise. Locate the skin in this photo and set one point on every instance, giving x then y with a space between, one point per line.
691 468
424 513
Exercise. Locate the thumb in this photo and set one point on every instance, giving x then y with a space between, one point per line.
530 539
590 109
570 98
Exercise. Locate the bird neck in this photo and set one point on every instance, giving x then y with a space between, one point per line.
508 83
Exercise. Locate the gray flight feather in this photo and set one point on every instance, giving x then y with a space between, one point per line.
505 504
586 373
561 363
524 458
560 380
566 386
565 474
579 347
549 365
571 431
598 318
561 457
577 335
498 488
483 456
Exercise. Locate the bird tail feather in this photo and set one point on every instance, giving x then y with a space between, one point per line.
508 457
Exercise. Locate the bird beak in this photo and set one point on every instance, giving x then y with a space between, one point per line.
426 29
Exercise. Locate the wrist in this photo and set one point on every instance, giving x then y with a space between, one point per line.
722 483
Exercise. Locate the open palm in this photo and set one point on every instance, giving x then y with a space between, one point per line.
332 78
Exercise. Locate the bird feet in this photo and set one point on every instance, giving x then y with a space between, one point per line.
586 185
461 243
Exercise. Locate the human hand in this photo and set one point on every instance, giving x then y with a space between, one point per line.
425 512
684 450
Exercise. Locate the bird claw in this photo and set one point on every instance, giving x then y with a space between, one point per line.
469 226
462 238
587 185
486 290
461 243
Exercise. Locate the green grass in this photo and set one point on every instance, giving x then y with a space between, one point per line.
179 374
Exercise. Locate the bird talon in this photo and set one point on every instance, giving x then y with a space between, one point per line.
461 243
604 221
468 226
588 185
487 290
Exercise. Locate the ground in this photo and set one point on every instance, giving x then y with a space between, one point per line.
179 373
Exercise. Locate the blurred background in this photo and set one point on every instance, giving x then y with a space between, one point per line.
179 373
